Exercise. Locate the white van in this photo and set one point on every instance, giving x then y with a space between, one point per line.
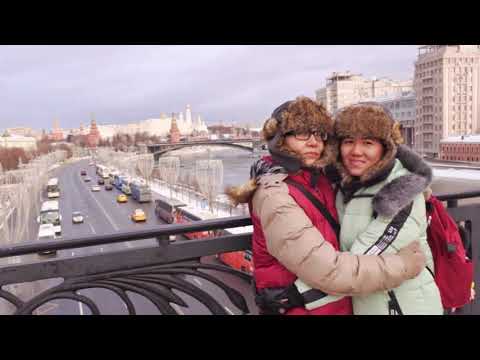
50 214
46 232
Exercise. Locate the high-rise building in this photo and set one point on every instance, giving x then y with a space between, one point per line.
447 87
345 89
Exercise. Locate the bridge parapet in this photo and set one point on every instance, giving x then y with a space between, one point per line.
248 144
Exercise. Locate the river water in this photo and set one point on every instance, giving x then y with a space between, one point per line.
236 168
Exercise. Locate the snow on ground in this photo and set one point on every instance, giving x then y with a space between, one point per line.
199 207
201 149
457 173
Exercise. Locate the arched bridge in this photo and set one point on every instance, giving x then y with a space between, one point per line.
247 144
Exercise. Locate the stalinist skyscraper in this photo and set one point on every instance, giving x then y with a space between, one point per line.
447 87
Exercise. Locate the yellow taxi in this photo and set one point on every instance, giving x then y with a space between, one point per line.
122 198
139 215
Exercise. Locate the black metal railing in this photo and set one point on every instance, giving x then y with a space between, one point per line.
156 273
159 273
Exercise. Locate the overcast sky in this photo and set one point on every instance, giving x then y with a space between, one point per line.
122 84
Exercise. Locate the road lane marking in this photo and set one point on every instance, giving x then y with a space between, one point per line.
73 253
104 211
101 249
228 310
80 306
197 281
91 227
177 309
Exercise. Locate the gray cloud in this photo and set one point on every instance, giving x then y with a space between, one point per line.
129 83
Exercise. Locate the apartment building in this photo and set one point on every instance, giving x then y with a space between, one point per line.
343 89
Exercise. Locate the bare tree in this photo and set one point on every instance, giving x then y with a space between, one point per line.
144 165
168 170
209 176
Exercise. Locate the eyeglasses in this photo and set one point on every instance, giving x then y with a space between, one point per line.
306 135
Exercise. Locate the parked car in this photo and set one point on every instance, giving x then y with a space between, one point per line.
139 215
108 187
95 188
87 179
122 198
83 172
77 217
101 181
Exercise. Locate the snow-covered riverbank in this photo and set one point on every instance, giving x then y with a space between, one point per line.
198 206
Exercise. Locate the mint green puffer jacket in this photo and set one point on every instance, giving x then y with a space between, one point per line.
361 227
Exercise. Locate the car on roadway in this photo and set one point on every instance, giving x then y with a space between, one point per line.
87 179
139 215
108 187
122 198
101 181
46 232
83 172
77 217
95 188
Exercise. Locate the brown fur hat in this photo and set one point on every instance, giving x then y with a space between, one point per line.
369 120
301 114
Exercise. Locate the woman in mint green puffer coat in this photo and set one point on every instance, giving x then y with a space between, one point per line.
381 205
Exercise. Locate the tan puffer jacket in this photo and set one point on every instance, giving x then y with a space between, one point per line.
299 246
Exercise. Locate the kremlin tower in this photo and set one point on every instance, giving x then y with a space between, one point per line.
94 136
56 134
174 131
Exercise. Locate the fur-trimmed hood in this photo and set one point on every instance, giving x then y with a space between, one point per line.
400 192
242 194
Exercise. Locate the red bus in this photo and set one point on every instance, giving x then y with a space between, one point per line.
238 260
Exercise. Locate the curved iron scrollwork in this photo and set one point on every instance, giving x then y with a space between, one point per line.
156 283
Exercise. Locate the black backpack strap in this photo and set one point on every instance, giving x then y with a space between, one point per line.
383 242
323 210
391 232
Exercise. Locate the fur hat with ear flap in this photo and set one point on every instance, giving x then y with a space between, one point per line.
300 115
369 120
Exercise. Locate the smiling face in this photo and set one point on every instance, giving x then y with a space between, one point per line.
308 150
360 154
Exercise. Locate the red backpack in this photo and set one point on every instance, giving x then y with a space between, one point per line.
453 270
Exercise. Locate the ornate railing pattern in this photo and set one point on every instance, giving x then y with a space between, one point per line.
153 272
158 273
